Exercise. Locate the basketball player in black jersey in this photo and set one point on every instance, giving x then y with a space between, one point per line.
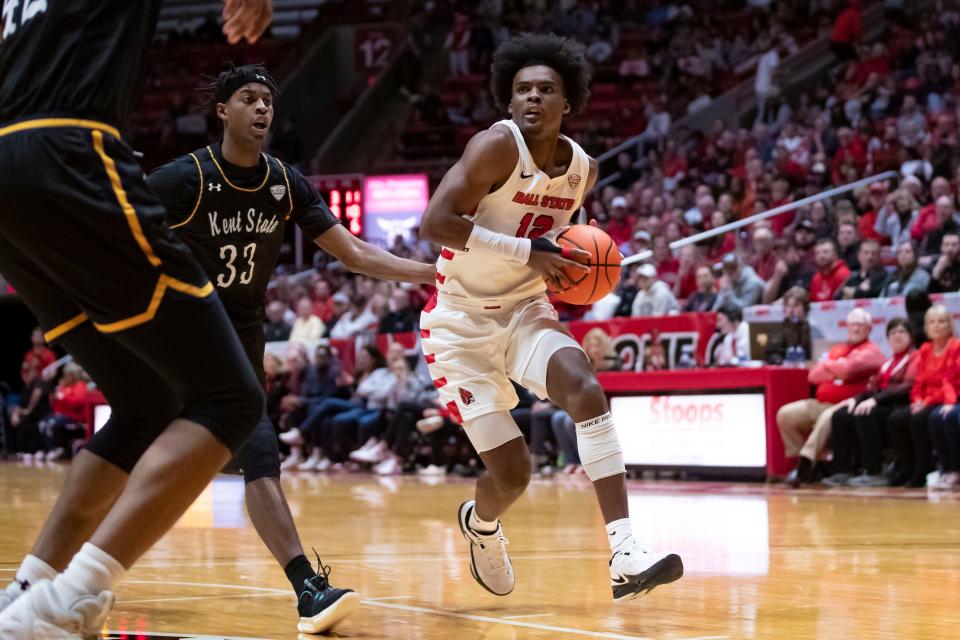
83 241
230 202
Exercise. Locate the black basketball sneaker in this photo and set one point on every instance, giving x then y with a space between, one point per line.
323 607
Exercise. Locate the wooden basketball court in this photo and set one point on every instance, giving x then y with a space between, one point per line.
760 562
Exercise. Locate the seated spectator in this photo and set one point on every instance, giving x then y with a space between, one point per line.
869 279
945 275
404 388
25 419
67 422
307 327
843 373
39 354
402 317
323 301
930 218
946 222
936 385
897 215
831 272
358 319
688 264
598 345
308 387
620 226
848 241
653 296
791 271
370 379
859 423
275 383
908 276
876 196
764 258
705 298
741 285
798 328
734 349
276 329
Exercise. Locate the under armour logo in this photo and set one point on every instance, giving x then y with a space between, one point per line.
214 186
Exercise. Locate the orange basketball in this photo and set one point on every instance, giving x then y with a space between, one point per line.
604 265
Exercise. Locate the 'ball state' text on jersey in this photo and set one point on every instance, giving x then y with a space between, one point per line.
529 204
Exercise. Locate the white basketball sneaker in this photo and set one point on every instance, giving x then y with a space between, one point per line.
39 615
489 563
634 571
13 591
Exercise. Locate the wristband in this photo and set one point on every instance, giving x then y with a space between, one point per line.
542 244
513 249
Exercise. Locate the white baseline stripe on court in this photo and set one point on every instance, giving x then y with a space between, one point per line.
412 609
206 636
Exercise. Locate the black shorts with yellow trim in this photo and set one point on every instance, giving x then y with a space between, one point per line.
82 236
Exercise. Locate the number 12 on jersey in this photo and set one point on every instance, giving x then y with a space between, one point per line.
541 225
228 252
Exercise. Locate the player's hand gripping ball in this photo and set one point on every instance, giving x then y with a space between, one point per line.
604 263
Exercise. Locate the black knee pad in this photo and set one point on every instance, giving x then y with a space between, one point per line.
260 456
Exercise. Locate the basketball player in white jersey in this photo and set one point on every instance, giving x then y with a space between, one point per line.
496 213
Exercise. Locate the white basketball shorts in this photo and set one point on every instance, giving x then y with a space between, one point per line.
474 350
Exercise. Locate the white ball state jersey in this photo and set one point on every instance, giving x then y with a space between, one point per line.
529 204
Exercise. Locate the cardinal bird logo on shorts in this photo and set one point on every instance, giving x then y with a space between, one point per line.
573 180
465 396
278 191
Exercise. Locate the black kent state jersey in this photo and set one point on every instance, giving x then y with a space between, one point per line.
232 218
80 58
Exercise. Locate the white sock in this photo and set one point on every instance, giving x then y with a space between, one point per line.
33 570
619 534
91 571
478 525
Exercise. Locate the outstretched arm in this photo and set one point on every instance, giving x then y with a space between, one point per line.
246 19
370 260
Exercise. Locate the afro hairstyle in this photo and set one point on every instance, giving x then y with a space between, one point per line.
563 55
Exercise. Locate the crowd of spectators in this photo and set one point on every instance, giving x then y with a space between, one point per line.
48 418
876 421
653 62
886 106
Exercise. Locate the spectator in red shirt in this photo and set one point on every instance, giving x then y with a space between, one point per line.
39 355
868 221
620 227
68 420
458 44
323 301
929 220
832 272
764 259
846 34
885 155
668 267
689 262
935 389
843 373
851 149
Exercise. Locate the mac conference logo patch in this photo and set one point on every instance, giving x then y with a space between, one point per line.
573 180
278 191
